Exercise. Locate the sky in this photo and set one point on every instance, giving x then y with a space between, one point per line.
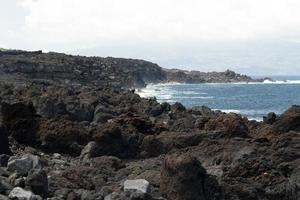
256 37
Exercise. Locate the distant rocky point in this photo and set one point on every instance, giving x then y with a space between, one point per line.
183 76
58 68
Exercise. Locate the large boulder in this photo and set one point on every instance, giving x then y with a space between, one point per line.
24 164
21 194
183 178
62 136
108 141
233 125
120 138
5 186
270 118
288 121
37 182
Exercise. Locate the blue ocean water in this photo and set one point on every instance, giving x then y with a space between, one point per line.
253 100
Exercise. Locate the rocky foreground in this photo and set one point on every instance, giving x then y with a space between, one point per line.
103 143
68 131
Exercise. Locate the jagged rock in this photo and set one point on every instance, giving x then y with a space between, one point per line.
183 178
37 182
232 124
109 141
5 186
90 150
24 164
19 182
122 137
62 136
289 120
4 172
270 118
140 185
251 160
21 194
177 107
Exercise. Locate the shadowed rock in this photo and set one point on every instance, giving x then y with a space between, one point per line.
4 144
20 120
289 120
183 178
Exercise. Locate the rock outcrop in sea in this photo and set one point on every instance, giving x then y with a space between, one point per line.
74 137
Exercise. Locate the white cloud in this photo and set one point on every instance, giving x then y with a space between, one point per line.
69 24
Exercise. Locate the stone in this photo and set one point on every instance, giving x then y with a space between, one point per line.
289 120
4 172
270 118
37 182
232 124
89 151
5 186
183 178
24 164
20 182
140 185
56 156
21 194
62 136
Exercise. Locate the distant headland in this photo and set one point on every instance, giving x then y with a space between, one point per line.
61 68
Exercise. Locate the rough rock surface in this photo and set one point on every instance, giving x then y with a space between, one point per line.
183 177
81 139
24 164
49 68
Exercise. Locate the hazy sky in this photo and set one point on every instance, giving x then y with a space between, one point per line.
250 36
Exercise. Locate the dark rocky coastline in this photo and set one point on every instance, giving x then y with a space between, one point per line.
87 138
58 68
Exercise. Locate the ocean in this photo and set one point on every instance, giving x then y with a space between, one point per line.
253 100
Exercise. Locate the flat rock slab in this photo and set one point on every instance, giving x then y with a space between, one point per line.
140 185
21 194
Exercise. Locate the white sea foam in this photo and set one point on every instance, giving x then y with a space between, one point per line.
259 119
197 97
282 82
229 111
193 92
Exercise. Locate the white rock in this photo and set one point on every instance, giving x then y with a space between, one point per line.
56 156
20 194
140 185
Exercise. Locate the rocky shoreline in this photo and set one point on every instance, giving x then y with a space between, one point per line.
58 68
77 140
